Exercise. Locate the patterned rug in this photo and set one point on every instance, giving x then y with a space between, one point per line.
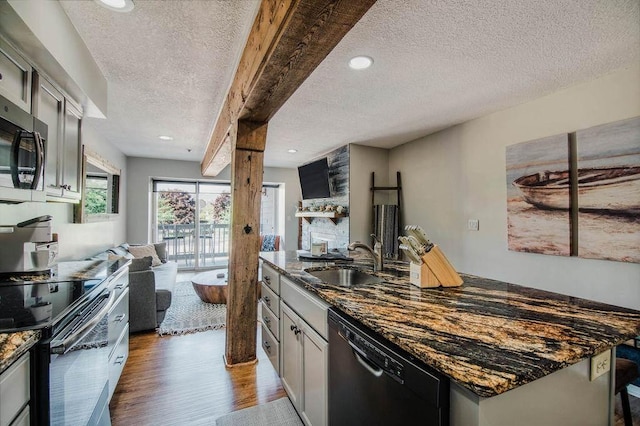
189 314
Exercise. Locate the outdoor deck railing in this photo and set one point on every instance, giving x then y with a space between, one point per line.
213 242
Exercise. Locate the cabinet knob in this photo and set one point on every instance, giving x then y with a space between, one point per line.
267 321
267 279
295 329
267 347
267 299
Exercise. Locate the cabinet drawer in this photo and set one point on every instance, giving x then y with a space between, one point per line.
118 318
118 359
271 321
14 389
271 348
311 308
270 300
120 282
271 278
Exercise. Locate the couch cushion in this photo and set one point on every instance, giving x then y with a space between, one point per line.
140 264
144 251
163 300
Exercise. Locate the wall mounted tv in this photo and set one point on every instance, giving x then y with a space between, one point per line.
314 180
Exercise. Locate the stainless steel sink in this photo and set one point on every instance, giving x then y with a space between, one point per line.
344 277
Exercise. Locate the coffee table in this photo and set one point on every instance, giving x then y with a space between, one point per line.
210 286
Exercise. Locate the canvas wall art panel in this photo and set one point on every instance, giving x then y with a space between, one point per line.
538 198
609 191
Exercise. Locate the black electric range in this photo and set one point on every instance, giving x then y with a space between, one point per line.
44 300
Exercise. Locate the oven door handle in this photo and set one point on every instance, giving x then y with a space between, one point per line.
62 346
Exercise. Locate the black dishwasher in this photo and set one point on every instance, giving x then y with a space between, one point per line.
373 382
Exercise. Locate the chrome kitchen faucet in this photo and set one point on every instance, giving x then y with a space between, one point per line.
375 252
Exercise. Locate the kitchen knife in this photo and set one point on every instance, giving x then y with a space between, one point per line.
416 245
418 233
413 257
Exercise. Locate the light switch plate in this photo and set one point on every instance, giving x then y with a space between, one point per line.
600 364
473 224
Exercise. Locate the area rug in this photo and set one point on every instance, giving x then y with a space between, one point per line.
189 314
275 413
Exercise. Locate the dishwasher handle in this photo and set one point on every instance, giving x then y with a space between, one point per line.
362 358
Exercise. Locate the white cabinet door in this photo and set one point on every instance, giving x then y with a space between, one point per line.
291 353
49 104
14 389
315 363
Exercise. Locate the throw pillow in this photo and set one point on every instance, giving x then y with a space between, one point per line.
161 250
111 257
144 251
140 264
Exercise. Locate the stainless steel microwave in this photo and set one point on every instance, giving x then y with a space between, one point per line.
22 148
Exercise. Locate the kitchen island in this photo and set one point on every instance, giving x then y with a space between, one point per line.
512 352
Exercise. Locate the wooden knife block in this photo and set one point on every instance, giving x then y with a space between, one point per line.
439 266
421 276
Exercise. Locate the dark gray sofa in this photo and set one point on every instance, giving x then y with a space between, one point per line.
150 288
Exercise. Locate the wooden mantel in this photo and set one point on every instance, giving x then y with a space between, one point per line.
288 40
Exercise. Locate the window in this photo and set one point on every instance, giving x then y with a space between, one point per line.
96 193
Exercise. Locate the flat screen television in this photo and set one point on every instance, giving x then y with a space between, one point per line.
314 179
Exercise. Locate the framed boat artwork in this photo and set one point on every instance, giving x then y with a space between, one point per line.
608 161
538 196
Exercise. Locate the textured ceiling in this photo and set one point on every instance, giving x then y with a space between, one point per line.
436 63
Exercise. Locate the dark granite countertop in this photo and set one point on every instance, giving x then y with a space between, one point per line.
13 345
488 336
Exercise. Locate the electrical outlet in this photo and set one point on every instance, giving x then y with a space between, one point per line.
600 364
473 225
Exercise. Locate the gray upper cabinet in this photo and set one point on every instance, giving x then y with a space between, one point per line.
71 151
62 171
15 77
48 105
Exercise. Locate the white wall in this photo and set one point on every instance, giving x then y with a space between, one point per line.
141 171
75 240
363 161
459 174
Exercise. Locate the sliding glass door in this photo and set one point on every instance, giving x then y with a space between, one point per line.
175 220
202 243
213 225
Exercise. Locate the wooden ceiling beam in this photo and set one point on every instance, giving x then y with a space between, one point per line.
288 40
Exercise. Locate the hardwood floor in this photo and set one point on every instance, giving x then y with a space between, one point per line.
635 411
182 380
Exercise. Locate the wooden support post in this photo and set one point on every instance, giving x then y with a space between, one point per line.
247 164
288 40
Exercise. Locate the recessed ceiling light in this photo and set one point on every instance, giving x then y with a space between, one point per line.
165 138
117 5
292 151
360 62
